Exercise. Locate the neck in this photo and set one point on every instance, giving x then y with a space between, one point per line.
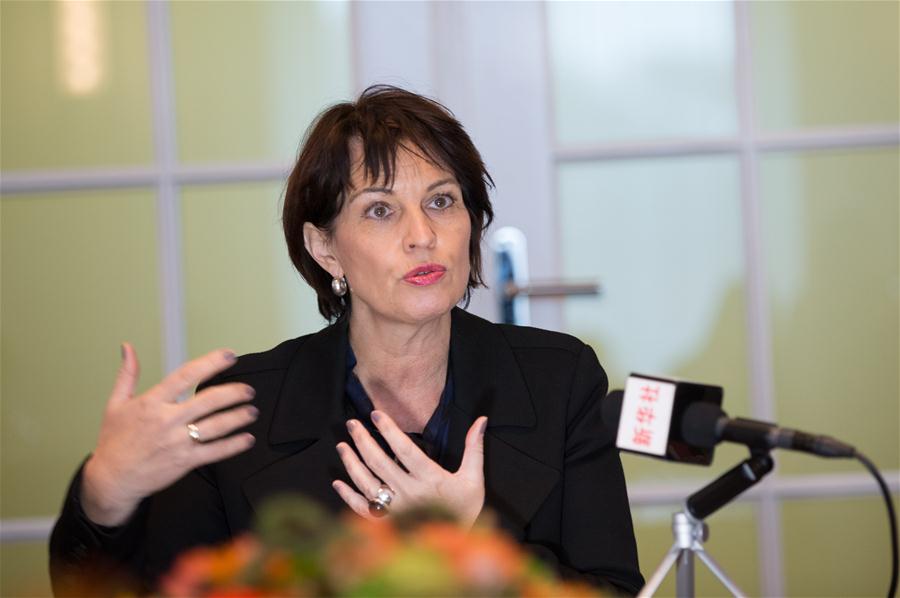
403 367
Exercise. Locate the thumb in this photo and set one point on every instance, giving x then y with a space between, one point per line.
127 377
472 465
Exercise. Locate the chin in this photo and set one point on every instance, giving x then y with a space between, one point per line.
427 307
410 306
426 313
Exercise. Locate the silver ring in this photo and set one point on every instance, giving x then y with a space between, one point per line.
378 506
194 432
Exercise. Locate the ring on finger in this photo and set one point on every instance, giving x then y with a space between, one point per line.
194 432
378 506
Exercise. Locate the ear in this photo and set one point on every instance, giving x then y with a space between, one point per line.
318 244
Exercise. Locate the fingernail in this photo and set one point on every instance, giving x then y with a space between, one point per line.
229 356
251 439
253 411
351 424
376 416
483 426
251 392
339 448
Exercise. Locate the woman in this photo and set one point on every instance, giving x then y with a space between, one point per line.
384 215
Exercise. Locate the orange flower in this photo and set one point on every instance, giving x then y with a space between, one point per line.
231 559
189 574
277 569
235 592
364 547
483 559
204 567
548 588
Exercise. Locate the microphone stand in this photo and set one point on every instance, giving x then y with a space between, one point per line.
690 531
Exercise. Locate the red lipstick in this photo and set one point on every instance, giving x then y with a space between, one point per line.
425 274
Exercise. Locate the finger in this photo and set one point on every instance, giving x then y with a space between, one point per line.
375 458
212 399
472 465
211 452
189 375
362 478
127 377
411 456
222 424
354 500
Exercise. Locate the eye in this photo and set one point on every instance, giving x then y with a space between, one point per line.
441 202
378 211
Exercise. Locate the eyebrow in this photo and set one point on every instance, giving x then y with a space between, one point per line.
389 191
369 190
437 184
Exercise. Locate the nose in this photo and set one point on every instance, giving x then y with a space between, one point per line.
419 232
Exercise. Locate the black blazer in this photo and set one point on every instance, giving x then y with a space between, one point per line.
552 472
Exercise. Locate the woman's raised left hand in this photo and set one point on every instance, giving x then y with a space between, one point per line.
424 481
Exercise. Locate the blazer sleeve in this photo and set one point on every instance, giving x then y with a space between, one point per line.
90 559
596 532
87 559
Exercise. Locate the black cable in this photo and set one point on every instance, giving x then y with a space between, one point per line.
892 519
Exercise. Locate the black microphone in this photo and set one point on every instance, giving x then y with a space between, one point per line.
663 422
706 425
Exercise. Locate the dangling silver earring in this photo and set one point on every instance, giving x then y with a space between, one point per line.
339 286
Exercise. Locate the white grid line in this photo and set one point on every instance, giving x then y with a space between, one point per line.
358 85
168 203
796 140
768 522
797 487
237 172
553 135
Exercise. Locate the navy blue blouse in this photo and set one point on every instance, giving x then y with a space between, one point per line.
432 440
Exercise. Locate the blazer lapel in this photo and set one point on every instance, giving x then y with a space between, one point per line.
307 422
488 381
311 397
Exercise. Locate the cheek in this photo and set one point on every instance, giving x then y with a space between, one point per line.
464 239
365 261
353 247
465 235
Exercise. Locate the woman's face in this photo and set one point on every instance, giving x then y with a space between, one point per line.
403 249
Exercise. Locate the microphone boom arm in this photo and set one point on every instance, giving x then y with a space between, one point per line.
725 488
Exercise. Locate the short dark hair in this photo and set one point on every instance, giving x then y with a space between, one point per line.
383 119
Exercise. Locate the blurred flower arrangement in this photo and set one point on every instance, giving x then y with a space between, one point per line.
299 550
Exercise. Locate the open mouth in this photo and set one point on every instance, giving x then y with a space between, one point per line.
425 274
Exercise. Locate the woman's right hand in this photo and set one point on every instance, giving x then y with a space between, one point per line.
144 445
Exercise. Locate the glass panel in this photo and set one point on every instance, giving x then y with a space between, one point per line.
732 543
831 235
79 276
250 76
836 547
663 238
75 87
242 290
826 63
24 570
628 70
